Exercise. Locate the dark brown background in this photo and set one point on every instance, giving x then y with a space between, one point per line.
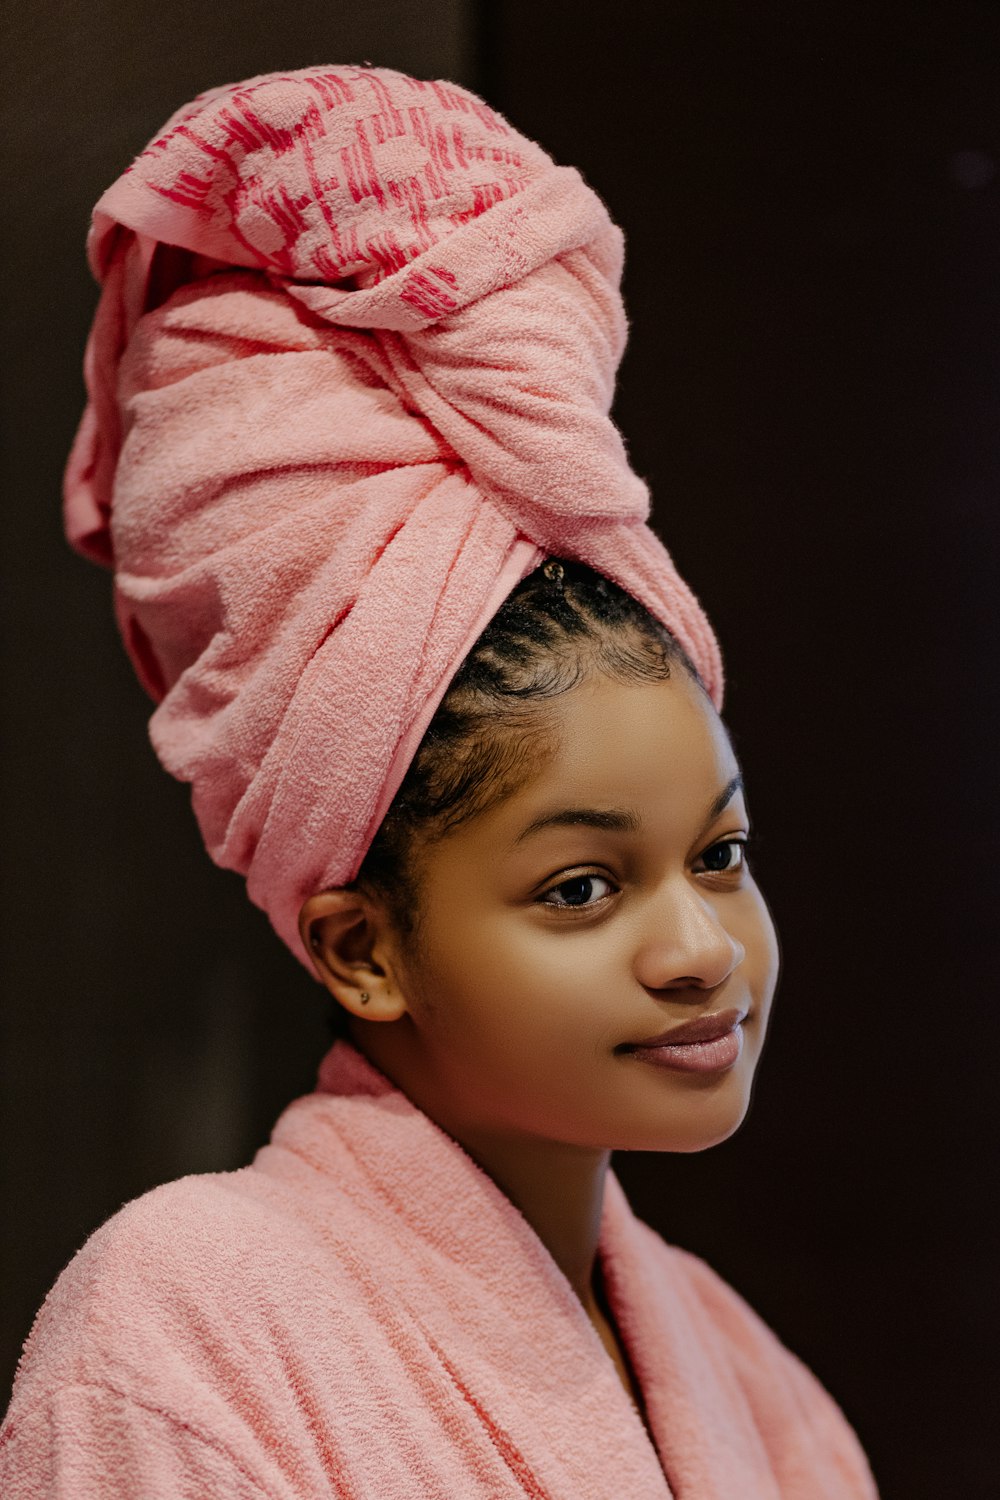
811 199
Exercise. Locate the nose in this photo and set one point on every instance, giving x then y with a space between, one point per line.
686 944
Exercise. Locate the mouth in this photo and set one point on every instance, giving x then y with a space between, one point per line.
708 1028
709 1044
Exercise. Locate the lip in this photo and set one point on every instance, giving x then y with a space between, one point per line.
707 1028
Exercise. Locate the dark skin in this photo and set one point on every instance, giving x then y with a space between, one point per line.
538 955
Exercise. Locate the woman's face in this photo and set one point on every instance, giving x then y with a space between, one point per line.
605 901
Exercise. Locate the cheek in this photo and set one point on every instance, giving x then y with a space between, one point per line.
465 976
484 980
755 929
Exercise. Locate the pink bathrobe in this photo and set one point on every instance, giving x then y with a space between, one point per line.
362 1313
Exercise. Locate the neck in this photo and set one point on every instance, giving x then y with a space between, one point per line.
557 1187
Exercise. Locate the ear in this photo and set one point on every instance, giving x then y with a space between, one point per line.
351 942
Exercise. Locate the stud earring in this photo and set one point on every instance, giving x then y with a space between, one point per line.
365 997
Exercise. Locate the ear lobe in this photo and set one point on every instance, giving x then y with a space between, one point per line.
349 937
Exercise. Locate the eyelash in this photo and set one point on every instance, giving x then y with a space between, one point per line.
738 868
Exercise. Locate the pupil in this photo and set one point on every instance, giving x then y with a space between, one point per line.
720 857
580 886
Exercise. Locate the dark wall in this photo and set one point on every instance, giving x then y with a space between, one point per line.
811 199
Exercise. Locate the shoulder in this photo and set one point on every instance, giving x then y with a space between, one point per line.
188 1263
132 1380
776 1385
716 1302
721 1303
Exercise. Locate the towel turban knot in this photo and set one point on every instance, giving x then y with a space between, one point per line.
349 380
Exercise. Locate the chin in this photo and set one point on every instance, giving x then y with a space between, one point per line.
704 1141
698 1123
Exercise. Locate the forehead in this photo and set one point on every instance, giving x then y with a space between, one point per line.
635 740
658 749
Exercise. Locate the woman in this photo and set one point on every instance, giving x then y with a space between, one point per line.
445 702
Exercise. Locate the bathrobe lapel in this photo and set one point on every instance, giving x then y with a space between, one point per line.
501 1324
501 1334
705 1431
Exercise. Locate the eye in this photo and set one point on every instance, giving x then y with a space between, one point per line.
581 890
725 858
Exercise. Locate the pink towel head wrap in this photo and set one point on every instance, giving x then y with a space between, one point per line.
349 381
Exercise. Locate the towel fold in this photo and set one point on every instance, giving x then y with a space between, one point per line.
349 381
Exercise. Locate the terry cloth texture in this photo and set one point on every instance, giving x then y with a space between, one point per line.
349 381
362 1313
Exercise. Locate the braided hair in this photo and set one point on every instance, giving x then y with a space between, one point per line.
560 623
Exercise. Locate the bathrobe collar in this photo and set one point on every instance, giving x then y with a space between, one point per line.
503 1319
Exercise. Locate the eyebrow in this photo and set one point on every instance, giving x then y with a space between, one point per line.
617 819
